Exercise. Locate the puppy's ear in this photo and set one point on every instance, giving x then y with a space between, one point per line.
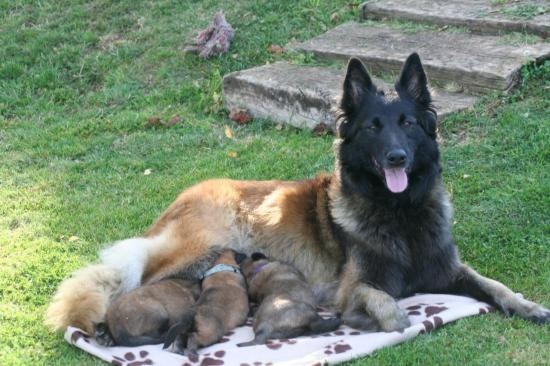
413 85
257 256
239 257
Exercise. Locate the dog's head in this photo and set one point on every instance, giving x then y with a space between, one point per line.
387 143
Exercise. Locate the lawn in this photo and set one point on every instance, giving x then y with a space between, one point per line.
79 81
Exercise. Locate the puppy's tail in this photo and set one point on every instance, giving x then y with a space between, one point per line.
324 325
82 300
181 327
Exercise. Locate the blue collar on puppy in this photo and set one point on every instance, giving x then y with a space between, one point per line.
220 268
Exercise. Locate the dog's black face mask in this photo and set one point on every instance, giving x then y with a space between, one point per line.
388 144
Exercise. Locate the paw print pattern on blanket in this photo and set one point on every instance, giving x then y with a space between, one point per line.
131 359
77 335
338 347
426 312
275 344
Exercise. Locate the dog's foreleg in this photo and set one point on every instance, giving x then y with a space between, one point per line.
360 304
471 283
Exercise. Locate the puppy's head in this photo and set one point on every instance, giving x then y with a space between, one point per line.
229 257
251 266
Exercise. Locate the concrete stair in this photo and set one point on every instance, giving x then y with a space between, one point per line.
468 64
487 17
477 63
303 96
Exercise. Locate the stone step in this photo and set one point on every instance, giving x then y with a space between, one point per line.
478 64
303 96
483 16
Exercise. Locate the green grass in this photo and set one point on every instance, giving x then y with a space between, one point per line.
78 80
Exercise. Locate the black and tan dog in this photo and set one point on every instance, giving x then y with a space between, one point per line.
287 306
380 226
222 306
144 315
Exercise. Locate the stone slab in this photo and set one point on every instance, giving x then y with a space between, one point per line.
303 96
483 16
478 64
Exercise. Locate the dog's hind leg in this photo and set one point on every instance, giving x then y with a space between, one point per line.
469 282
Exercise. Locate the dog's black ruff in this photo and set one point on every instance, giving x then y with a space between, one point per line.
404 243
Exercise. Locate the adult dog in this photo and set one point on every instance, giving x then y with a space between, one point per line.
379 227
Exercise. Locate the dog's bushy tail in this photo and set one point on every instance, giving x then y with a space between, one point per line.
82 300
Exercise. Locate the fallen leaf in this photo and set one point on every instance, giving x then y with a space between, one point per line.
466 176
279 126
73 238
321 129
154 121
241 116
216 97
147 172
334 17
275 49
232 154
229 132
173 121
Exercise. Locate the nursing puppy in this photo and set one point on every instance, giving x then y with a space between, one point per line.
287 303
144 315
222 306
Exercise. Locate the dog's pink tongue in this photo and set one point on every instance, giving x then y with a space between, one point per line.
396 179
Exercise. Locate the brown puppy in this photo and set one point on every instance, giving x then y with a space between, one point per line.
222 306
144 315
287 304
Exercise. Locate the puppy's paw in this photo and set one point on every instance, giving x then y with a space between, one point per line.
178 346
360 320
395 319
102 335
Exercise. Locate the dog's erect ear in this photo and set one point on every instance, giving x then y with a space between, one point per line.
413 84
413 81
356 86
257 256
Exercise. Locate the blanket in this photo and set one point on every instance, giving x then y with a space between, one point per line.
426 313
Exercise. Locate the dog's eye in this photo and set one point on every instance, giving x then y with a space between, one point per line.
408 122
375 125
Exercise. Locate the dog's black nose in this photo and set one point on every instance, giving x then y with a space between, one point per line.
396 157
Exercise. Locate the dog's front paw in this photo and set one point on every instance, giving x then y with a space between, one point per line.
539 315
526 309
394 319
